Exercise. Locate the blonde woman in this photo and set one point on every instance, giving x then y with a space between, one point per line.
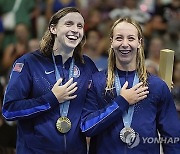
126 107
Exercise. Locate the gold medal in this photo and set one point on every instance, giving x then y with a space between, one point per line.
127 135
63 125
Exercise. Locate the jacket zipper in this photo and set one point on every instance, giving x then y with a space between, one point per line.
126 77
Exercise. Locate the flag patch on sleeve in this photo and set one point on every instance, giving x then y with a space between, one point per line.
18 67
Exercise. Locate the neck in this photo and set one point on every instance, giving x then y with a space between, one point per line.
126 67
64 52
64 55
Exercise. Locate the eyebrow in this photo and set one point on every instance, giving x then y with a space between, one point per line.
128 35
70 21
132 35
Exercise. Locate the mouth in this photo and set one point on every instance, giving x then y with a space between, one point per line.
72 37
124 52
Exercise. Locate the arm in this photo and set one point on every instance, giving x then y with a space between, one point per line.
18 103
96 119
168 122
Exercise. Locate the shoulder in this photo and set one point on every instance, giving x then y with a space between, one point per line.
156 84
30 61
155 80
31 56
89 64
87 60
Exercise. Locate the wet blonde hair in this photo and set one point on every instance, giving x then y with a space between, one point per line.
140 59
47 42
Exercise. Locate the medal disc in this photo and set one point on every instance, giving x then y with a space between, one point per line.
63 125
127 135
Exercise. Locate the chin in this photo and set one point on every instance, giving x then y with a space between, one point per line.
125 61
72 45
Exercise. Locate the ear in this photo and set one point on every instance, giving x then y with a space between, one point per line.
53 29
111 39
139 43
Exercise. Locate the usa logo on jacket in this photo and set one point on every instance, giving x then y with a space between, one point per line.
76 72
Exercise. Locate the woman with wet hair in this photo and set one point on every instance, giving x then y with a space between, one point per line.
47 89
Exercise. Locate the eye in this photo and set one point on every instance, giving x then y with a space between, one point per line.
119 38
80 26
69 23
131 38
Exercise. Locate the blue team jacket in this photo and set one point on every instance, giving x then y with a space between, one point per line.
102 118
29 100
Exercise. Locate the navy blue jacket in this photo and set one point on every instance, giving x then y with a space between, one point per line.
102 118
29 100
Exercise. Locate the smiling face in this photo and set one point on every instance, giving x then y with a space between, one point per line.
125 43
69 31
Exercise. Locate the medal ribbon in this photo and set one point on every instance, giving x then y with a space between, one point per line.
64 107
127 116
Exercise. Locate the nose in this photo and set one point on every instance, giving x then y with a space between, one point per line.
74 29
125 43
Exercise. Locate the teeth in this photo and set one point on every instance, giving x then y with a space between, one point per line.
72 37
125 51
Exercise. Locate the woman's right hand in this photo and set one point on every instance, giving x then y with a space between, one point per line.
64 92
134 94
